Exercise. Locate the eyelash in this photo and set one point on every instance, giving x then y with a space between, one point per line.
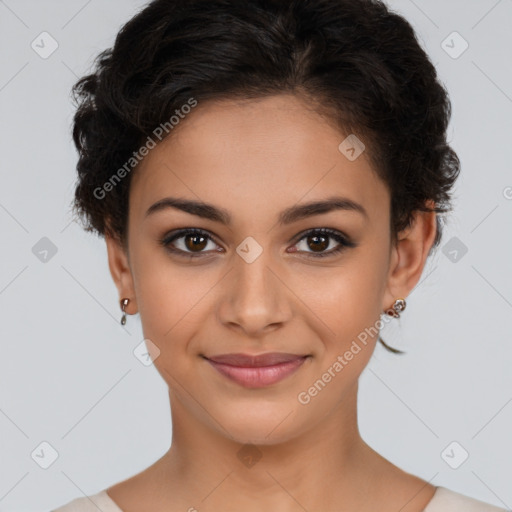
330 233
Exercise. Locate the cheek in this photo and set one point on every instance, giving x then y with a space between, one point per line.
169 320
171 303
343 300
165 291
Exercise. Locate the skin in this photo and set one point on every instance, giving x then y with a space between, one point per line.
254 159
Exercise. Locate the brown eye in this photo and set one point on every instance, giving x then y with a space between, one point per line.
318 243
318 240
195 241
188 242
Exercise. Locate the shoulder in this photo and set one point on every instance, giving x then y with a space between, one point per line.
100 501
446 500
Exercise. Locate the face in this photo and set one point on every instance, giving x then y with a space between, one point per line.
257 273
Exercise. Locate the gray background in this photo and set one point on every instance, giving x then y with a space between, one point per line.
68 374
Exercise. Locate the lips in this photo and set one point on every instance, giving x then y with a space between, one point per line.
257 371
248 361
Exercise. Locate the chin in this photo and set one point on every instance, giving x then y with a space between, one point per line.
253 435
268 424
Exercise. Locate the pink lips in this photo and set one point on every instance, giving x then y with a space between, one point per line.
257 371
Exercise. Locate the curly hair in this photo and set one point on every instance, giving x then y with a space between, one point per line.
358 63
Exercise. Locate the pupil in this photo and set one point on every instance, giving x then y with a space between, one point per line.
321 245
195 244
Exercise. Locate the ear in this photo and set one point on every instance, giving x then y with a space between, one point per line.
409 255
119 265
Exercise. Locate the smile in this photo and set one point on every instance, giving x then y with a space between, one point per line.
257 371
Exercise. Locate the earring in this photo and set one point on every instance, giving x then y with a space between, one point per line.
124 303
397 308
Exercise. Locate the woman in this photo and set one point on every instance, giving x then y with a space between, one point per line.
269 178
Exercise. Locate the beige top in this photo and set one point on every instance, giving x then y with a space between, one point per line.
444 500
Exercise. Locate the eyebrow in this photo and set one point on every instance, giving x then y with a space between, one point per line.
287 216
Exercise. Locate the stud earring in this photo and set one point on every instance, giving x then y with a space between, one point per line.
397 308
124 303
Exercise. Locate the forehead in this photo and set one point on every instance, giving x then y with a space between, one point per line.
257 154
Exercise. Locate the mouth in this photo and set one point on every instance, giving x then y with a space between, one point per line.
257 371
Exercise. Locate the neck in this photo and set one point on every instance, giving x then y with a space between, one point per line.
276 473
326 467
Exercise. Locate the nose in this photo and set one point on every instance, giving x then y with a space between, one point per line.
257 300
